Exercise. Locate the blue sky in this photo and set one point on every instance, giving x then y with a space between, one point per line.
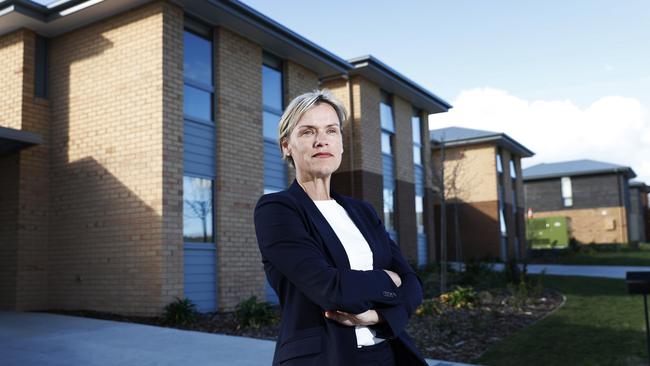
568 79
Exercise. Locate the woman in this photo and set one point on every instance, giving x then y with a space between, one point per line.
345 290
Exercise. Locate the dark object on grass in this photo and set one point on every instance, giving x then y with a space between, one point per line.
639 283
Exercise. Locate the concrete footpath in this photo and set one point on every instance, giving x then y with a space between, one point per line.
579 270
31 339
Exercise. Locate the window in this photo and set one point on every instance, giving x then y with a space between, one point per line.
40 77
197 210
419 216
387 138
198 76
567 194
417 138
416 127
275 169
513 170
499 165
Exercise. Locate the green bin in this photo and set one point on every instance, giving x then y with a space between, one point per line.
548 232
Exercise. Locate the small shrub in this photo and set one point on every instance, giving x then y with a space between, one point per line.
474 272
255 314
180 312
428 307
461 297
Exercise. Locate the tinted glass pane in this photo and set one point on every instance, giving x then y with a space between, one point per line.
272 87
386 116
417 155
502 222
513 170
419 213
197 103
499 166
197 59
197 210
270 121
389 210
415 126
386 147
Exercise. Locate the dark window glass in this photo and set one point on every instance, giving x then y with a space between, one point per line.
419 213
197 210
499 165
272 88
40 77
197 60
197 103
513 170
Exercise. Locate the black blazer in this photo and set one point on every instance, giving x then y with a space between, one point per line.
308 267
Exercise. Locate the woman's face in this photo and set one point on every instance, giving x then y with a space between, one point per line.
316 144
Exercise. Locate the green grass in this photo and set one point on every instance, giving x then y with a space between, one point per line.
600 324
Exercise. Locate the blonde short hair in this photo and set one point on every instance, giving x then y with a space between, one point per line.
297 108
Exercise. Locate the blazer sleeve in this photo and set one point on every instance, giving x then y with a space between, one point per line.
396 317
285 242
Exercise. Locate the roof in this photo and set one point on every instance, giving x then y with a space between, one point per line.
393 82
458 136
640 185
65 15
574 168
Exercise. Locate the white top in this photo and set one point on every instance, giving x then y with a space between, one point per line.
358 251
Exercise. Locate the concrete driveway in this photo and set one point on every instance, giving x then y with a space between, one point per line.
41 339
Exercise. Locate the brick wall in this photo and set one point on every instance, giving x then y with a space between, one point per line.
240 179
109 185
11 78
8 229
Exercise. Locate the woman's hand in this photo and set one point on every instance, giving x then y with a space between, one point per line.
369 317
395 277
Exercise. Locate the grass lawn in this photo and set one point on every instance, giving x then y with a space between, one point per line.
621 257
600 324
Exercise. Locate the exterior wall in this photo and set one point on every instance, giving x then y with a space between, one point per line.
240 178
404 173
597 225
588 191
8 229
637 215
598 213
12 55
113 176
471 196
297 80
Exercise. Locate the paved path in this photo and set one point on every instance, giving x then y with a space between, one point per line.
31 339
580 270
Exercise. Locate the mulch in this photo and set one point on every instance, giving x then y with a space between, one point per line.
459 335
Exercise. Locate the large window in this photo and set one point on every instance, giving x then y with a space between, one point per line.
275 169
416 126
387 143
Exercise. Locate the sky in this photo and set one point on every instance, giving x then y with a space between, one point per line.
567 79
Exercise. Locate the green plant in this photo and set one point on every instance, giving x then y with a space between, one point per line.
255 314
461 297
428 307
474 272
180 312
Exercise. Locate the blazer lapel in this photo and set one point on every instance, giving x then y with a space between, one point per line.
332 242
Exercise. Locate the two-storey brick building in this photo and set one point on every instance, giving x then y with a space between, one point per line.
479 174
135 140
595 196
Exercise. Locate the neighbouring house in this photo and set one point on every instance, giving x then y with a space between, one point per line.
479 173
388 152
639 212
136 138
595 196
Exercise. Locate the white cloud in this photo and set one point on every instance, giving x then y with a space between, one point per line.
613 129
